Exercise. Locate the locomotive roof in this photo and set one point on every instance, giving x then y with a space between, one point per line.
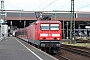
45 21
48 21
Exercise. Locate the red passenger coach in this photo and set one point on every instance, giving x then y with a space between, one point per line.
46 34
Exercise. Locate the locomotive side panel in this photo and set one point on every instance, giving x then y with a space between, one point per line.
31 32
60 31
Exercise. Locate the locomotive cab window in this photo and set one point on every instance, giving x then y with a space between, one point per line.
44 26
49 27
54 26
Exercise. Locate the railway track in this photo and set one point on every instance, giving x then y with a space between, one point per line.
82 41
60 56
76 50
63 55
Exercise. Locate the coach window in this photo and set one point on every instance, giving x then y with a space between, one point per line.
54 27
44 26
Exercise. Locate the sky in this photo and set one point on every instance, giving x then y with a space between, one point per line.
46 5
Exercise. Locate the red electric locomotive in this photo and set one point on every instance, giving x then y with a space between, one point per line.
46 34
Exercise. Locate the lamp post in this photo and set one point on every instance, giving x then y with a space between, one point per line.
63 30
1 21
67 30
21 14
1 15
11 27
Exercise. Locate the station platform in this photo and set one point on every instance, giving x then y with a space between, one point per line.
16 49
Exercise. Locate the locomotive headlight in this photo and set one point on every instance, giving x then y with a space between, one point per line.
58 38
56 35
58 45
40 38
43 35
42 45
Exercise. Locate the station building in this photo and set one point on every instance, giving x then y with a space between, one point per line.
21 18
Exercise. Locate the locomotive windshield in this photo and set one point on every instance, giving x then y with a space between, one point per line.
49 26
54 26
44 26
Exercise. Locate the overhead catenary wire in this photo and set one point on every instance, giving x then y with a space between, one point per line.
14 7
83 6
41 4
49 4
46 6
66 4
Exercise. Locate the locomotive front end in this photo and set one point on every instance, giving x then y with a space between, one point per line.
50 36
